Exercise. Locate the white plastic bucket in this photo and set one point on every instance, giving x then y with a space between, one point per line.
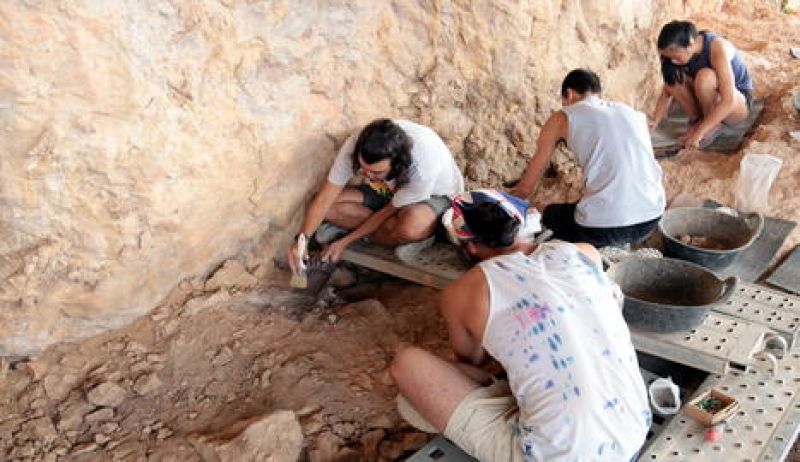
756 174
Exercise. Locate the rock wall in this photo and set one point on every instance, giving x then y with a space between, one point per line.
144 142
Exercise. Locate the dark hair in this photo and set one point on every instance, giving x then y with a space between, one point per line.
672 73
383 139
675 34
582 81
492 224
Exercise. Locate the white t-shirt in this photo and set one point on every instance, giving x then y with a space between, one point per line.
556 327
622 177
433 171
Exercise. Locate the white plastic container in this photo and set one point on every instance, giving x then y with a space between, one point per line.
756 174
665 396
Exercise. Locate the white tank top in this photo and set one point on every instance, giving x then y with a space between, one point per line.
622 179
558 331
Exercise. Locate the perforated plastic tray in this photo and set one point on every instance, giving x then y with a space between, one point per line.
764 428
779 311
722 342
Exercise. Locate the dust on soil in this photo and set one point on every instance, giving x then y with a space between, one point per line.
215 357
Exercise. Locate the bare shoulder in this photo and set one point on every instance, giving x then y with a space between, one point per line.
555 128
589 251
721 47
559 118
465 292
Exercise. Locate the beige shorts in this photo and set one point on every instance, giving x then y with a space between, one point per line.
485 424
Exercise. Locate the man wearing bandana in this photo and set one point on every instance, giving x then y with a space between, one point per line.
552 319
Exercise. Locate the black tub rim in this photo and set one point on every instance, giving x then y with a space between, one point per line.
727 285
756 231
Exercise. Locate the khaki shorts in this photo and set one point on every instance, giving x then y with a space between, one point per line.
485 424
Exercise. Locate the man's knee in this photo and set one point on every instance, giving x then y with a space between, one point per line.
404 361
406 232
414 224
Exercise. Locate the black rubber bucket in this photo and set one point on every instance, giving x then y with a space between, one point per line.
668 295
731 234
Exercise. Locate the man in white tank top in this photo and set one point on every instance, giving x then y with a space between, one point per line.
552 319
623 197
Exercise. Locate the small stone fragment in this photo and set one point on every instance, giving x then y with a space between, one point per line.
171 327
135 348
156 358
223 357
36 369
84 448
277 436
109 427
41 429
232 275
71 414
265 378
58 386
147 384
101 415
163 433
141 366
107 394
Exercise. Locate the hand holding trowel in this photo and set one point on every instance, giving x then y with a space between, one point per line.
308 272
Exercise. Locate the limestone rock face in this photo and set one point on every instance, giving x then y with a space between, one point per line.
142 143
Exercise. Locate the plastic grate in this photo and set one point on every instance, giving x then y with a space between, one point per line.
779 311
440 449
720 343
764 428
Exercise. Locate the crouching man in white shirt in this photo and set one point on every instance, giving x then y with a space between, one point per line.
408 178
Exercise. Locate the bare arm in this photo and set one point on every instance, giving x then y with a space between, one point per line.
319 207
664 100
464 306
721 63
334 251
371 224
553 131
297 252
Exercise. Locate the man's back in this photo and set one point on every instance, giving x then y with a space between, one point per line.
557 329
622 178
